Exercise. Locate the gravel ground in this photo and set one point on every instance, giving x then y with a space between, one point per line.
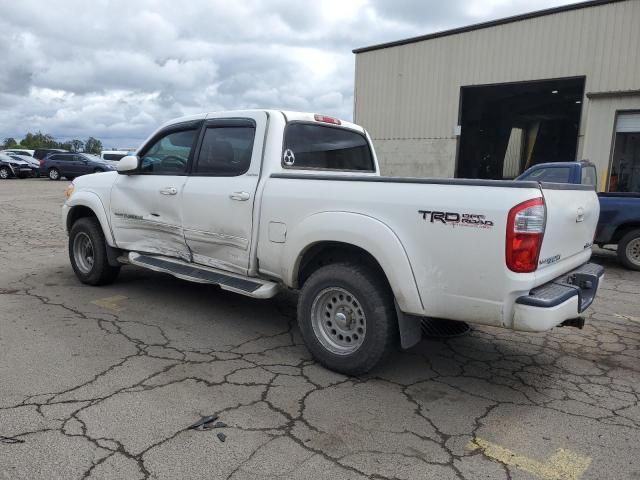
104 382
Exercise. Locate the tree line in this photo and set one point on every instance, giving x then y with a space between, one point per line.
36 140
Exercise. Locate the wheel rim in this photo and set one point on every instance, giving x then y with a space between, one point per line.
83 252
338 321
53 174
4 174
633 251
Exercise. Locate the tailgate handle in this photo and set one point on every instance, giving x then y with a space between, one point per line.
580 215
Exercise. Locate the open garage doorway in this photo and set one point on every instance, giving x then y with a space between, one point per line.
506 128
625 161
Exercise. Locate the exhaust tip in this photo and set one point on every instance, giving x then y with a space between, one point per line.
577 322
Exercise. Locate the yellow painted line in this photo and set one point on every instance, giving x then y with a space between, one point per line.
110 303
562 465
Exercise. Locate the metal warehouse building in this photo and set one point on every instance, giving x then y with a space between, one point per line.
490 100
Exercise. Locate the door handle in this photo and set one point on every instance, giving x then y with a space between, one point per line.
169 191
239 196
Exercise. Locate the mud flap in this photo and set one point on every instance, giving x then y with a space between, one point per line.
112 256
409 328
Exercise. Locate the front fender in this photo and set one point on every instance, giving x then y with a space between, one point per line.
93 202
362 231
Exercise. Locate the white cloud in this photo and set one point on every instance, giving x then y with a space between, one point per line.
116 69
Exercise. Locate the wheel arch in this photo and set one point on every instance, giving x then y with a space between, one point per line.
88 204
623 229
344 235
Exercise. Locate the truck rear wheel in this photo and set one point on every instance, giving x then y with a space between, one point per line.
347 318
629 250
88 253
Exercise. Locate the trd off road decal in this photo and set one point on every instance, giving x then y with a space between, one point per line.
128 216
456 219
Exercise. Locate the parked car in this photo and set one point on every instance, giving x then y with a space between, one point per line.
258 201
40 153
113 155
33 163
72 165
19 151
619 222
12 168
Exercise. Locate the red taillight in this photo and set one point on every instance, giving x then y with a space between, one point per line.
42 162
325 119
525 229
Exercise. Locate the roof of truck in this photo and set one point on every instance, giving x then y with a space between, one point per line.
288 114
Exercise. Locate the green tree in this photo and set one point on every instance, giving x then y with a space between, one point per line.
39 140
10 142
93 145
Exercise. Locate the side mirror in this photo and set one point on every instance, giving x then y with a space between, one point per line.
128 164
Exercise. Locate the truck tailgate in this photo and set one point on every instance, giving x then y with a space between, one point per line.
572 216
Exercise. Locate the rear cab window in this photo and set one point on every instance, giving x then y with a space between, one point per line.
327 148
549 174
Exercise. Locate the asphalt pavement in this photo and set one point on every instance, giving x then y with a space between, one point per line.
104 382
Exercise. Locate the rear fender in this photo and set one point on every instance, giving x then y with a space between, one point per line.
362 231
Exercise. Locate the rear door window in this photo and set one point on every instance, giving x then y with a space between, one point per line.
325 148
551 174
113 156
225 151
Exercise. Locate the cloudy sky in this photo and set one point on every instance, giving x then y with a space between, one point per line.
116 69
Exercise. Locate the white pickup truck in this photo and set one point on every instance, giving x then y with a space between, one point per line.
258 201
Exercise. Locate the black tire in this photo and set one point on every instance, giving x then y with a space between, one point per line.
629 250
100 272
374 297
54 174
5 173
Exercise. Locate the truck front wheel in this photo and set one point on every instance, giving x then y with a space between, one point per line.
629 250
347 318
88 253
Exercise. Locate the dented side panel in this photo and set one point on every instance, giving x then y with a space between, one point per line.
145 220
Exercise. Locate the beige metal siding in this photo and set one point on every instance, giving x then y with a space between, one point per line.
412 91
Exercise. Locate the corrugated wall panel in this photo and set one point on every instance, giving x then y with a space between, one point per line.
412 91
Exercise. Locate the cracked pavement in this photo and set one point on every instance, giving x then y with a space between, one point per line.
102 383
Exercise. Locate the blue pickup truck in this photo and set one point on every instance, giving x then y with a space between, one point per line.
619 222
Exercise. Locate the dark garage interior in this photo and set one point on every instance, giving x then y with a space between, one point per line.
507 128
